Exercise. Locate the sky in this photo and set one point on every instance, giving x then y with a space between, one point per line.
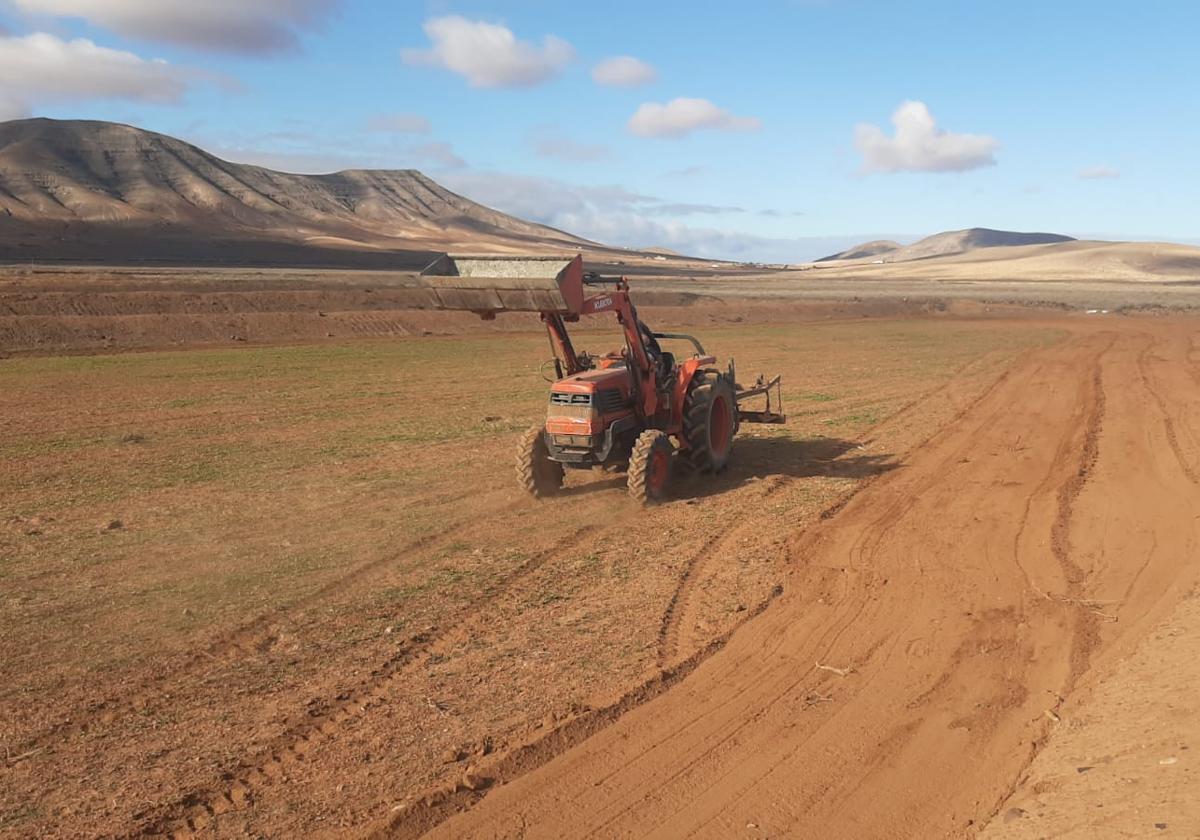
765 131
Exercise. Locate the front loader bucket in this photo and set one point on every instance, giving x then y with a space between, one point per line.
486 285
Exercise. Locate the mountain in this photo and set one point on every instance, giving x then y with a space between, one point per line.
865 251
961 241
76 189
947 243
1072 261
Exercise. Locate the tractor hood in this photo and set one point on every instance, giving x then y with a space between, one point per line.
594 380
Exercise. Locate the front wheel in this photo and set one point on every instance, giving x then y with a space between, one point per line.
650 467
536 473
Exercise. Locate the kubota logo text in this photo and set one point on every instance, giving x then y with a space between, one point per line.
602 303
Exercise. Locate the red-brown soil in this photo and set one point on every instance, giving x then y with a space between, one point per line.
929 634
325 594
285 591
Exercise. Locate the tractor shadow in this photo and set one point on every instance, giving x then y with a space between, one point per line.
759 457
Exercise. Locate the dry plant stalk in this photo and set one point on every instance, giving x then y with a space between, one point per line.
841 672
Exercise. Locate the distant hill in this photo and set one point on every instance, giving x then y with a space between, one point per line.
79 189
865 251
1074 261
949 242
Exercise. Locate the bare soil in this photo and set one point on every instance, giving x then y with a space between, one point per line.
930 636
70 310
48 310
274 590
292 590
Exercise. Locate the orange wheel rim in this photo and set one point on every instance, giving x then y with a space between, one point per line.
719 428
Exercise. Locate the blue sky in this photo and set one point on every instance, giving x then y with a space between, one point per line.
764 130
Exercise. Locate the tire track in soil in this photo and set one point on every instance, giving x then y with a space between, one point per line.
962 370
671 627
669 633
250 639
1072 475
194 811
1087 635
438 805
435 806
296 743
672 619
1193 367
1168 422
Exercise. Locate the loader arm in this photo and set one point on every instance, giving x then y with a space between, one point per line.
565 357
643 366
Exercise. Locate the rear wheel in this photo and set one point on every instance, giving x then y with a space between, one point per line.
650 467
536 473
709 421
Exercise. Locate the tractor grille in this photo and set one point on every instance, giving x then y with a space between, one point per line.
564 404
609 399
560 398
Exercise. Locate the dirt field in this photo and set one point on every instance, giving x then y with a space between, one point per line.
292 590
82 309
932 634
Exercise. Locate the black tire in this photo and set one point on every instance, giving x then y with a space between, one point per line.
650 467
709 421
536 473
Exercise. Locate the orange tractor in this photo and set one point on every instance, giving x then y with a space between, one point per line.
616 411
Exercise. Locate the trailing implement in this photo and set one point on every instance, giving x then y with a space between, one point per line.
641 408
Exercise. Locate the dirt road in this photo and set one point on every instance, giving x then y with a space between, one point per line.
929 635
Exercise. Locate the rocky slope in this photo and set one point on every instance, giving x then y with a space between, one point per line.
81 189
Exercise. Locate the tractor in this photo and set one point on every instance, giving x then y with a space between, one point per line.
641 408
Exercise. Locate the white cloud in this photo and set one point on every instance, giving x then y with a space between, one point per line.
682 116
543 199
488 55
437 154
233 26
12 108
317 152
920 146
623 71
621 217
553 146
40 68
1095 173
399 124
691 209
